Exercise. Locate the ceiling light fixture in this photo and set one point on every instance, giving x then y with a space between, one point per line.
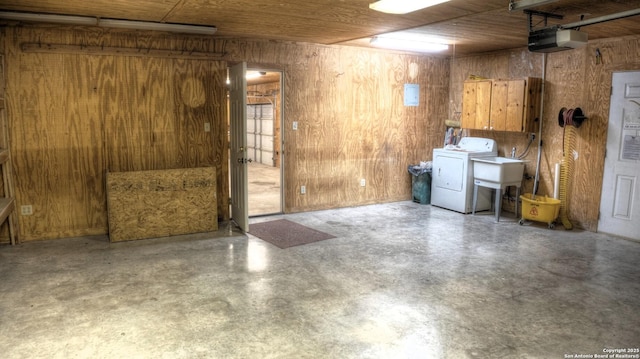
408 42
254 74
526 4
57 19
158 26
403 6
92 21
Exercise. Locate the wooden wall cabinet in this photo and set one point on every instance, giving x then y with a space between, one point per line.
476 104
511 105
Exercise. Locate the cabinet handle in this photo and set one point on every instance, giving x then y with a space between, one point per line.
485 127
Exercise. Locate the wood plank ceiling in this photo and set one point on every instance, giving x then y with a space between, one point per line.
474 26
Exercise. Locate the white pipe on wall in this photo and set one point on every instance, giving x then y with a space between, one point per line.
540 121
556 182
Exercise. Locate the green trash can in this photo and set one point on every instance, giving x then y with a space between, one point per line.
420 184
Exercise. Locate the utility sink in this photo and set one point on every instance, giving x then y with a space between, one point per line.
500 170
497 173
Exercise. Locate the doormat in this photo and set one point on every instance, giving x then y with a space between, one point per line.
283 233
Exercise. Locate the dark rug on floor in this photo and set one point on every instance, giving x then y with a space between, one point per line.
283 233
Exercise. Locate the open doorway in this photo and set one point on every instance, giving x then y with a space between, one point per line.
264 141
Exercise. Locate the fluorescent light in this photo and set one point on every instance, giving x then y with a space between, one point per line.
408 42
58 19
525 4
254 74
92 21
403 6
158 26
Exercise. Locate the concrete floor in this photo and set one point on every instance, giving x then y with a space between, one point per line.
263 192
401 280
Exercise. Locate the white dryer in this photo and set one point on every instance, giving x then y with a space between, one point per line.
452 175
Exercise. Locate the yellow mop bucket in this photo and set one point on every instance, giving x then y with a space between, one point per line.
540 209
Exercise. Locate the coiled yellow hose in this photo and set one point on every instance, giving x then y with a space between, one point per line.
566 171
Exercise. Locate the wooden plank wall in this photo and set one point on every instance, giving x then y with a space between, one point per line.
76 115
621 54
352 123
73 117
573 79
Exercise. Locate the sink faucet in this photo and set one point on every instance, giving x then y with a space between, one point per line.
513 152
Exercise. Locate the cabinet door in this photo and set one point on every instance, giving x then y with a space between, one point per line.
515 106
507 105
533 97
476 105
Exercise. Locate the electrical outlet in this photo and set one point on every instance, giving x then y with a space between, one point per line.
207 127
295 125
363 182
26 210
303 189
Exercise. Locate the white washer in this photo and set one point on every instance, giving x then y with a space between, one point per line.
452 175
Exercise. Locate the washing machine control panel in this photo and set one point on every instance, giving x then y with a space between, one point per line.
475 144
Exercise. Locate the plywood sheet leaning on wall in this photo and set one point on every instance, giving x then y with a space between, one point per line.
160 203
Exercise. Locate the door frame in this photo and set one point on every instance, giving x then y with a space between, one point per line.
281 133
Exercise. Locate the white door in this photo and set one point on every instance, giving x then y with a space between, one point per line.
238 152
620 199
